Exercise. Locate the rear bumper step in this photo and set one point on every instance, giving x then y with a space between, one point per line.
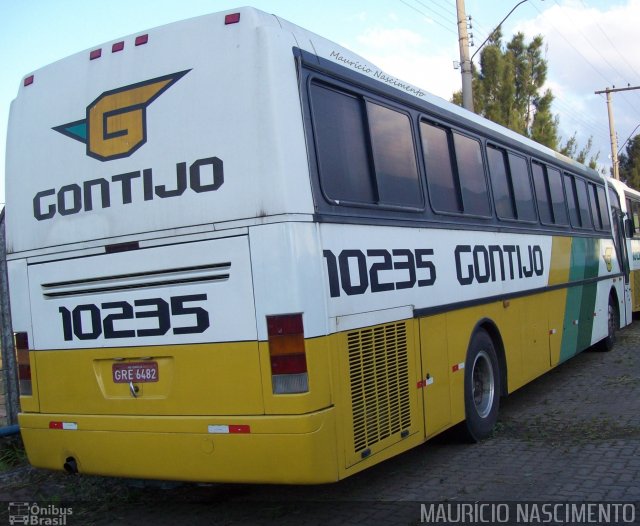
282 449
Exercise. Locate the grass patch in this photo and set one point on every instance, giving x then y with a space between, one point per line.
12 453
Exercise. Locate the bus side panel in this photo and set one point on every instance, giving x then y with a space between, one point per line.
435 373
378 398
581 298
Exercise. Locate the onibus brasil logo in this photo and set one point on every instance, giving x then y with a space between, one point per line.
115 125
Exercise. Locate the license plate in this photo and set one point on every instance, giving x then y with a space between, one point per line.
136 372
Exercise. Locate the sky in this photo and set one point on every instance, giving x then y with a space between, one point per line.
590 45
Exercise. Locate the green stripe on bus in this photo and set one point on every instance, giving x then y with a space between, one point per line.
581 299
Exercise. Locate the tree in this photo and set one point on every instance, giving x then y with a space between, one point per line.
570 149
630 163
507 88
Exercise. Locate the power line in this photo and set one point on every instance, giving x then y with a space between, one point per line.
439 6
571 45
428 17
613 46
627 140
600 73
588 41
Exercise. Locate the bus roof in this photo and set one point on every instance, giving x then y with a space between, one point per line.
189 126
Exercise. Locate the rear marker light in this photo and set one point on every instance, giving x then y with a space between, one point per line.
233 18
142 39
68 426
28 81
96 53
23 361
228 429
287 354
118 46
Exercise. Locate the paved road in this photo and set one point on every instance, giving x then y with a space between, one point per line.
573 434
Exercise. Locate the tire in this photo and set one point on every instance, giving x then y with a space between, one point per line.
481 387
613 323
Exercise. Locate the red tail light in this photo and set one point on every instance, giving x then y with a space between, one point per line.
287 354
21 341
232 18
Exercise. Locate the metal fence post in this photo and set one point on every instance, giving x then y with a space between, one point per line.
6 334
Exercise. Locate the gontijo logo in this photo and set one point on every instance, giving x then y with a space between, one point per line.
116 122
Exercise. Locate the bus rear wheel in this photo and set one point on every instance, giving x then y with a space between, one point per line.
613 323
481 387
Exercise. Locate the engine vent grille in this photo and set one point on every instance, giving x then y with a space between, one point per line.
379 378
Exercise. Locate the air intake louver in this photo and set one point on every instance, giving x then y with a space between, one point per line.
379 374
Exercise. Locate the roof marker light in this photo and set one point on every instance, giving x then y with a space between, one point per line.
233 18
96 53
118 46
142 39
28 80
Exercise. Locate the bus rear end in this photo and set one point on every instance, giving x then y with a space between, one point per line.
148 191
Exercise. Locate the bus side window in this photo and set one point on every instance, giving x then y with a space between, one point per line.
583 204
602 205
599 207
444 188
522 188
339 123
593 201
572 200
557 196
394 156
511 185
473 183
543 194
500 183
635 214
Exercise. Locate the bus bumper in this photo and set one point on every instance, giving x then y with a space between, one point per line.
296 449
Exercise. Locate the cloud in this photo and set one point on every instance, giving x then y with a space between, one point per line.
589 49
407 55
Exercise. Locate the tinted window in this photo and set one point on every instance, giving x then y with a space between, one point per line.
511 186
521 188
593 201
475 198
557 196
394 156
572 200
635 214
543 198
443 188
365 151
602 207
345 172
583 203
500 183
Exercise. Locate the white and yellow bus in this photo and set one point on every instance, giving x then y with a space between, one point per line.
629 202
239 252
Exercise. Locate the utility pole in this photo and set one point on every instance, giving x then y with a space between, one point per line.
465 62
612 128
